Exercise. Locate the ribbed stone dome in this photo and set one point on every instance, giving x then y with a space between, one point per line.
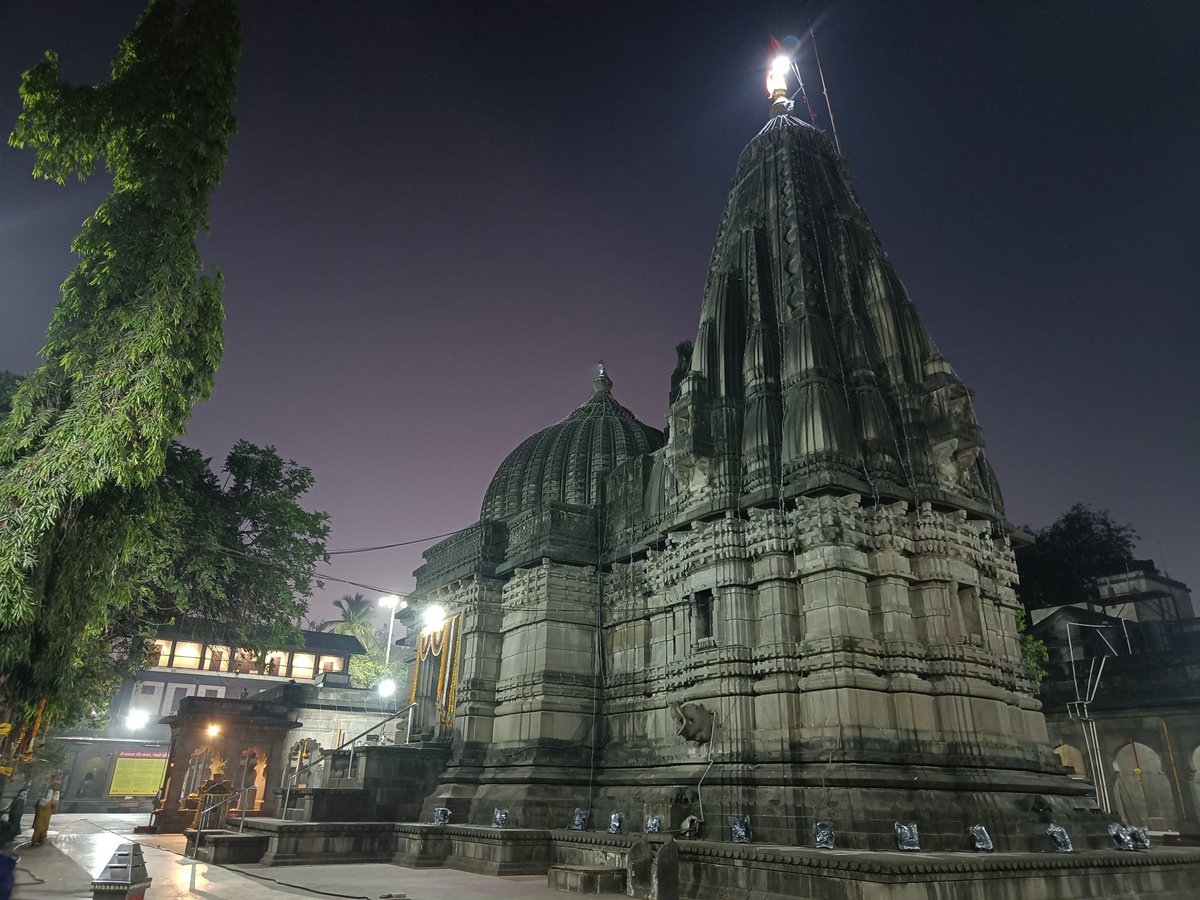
566 462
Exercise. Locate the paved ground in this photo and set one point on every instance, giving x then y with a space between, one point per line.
81 845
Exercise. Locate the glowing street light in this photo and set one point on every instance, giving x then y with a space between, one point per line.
137 718
391 603
386 688
214 730
434 618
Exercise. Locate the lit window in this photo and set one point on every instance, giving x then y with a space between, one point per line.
331 664
244 664
303 665
275 662
216 659
187 655
164 653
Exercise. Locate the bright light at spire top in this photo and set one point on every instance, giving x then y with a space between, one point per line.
777 76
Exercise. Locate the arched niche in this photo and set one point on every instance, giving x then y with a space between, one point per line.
1142 791
251 774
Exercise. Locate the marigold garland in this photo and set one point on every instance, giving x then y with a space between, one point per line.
451 700
442 668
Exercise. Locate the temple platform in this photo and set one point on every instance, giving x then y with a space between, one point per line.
660 866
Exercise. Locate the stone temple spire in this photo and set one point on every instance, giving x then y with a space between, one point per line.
812 370
809 560
603 384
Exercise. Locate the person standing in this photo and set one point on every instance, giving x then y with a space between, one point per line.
41 816
11 827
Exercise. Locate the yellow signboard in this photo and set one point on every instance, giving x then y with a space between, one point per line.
5 728
138 773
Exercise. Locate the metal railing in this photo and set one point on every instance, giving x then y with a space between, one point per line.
291 781
202 819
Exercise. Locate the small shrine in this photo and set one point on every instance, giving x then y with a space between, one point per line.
224 753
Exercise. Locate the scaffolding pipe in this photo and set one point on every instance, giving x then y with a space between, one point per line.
1174 771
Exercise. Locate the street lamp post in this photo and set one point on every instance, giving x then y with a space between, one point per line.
390 602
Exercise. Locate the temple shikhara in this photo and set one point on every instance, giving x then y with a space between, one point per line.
794 604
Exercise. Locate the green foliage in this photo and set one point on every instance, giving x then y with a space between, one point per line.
238 553
1068 556
367 670
1033 652
358 620
8 386
48 758
234 557
135 340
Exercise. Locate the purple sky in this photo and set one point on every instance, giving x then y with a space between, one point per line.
437 217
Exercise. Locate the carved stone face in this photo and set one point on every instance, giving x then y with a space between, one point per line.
954 458
694 721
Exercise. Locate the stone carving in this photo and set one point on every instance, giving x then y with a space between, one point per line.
581 819
441 816
683 362
693 721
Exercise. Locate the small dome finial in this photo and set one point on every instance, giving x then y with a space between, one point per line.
602 384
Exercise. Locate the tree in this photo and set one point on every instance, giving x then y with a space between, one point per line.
8 387
358 619
1067 557
135 340
238 555
367 670
234 557
1033 650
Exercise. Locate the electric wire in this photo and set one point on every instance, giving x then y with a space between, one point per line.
408 543
803 93
325 576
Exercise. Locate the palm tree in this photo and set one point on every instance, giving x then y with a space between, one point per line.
358 619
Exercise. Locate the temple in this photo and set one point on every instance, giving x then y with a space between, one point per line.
794 604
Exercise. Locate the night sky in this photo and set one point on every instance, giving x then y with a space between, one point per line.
437 217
